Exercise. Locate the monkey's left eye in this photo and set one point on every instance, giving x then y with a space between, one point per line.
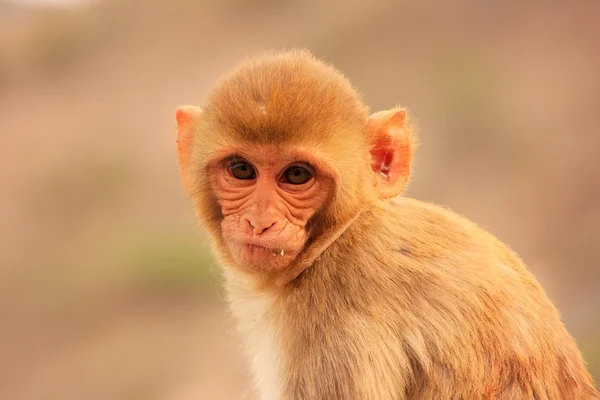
296 175
242 170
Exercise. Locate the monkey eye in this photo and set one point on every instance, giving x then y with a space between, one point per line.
242 170
296 175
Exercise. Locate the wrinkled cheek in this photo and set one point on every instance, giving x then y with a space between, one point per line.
230 226
231 208
231 230
297 239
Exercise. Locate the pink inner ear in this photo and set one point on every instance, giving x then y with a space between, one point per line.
391 158
382 158
390 151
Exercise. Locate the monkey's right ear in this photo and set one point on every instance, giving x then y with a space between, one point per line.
187 117
391 151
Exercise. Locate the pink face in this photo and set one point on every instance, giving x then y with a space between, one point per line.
267 197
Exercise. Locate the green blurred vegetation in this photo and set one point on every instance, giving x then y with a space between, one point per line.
173 262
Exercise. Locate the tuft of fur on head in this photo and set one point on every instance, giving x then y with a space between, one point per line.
285 97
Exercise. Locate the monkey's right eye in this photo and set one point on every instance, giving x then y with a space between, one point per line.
242 170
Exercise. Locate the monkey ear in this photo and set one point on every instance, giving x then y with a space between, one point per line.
390 149
187 117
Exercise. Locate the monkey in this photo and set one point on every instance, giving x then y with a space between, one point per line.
342 287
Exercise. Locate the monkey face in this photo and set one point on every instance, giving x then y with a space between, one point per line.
267 196
282 157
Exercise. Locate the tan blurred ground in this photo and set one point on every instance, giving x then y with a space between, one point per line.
106 288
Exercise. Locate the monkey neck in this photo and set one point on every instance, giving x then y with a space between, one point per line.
314 251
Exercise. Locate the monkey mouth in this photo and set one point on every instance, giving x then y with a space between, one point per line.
257 248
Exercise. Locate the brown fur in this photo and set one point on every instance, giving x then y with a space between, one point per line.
389 298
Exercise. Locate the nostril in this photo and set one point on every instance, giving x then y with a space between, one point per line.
259 227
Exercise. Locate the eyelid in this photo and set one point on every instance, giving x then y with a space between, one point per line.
229 160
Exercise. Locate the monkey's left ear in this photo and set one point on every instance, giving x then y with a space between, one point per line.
187 117
391 151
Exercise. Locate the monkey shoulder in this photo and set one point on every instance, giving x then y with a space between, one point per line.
432 232
434 251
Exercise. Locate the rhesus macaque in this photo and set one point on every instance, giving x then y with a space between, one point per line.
343 289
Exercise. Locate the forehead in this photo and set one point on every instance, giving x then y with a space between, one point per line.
285 99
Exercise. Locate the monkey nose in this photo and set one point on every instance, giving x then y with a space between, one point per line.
260 226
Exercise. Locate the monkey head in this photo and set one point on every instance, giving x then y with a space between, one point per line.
282 157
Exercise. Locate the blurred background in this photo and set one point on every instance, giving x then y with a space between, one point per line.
107 287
